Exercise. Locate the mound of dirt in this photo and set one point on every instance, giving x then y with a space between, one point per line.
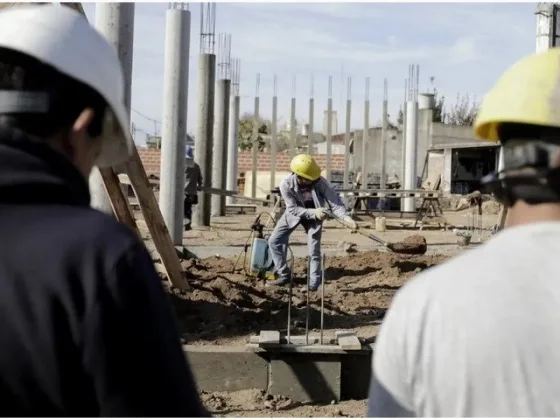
415 244
226 307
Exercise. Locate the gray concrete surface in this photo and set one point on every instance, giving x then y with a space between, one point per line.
220 148
225 368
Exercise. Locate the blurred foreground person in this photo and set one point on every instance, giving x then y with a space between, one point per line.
478 336
85 326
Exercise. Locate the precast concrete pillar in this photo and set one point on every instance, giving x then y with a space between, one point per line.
410 175
220 149
204 139
233 151
115 21
174 121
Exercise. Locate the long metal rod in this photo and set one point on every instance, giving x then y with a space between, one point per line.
365 138
290 291
329 131
307 307
293 144
324 263
311 128
255 140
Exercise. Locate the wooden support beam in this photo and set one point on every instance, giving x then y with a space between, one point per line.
119 202
154 221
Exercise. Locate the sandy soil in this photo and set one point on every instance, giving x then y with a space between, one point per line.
227 307
256 403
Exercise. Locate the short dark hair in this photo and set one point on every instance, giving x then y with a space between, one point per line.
67 96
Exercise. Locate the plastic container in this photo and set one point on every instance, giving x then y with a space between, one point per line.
260 261
380 224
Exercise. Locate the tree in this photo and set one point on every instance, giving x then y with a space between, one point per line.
439 112
245 138
463 112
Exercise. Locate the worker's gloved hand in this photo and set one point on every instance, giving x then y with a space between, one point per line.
350 223
321 213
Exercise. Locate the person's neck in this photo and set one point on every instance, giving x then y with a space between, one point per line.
523 214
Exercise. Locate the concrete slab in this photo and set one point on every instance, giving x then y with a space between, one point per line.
227 368
356 376
306 377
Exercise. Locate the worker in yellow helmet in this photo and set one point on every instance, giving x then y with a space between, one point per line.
308 198
478 336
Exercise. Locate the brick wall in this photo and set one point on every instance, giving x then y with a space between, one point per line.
151 161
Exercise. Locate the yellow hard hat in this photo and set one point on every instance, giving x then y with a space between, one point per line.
305 166
527 93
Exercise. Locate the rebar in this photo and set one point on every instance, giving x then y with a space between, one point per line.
324 262
207 28
223 68
290 291
235 76
178 6
307 306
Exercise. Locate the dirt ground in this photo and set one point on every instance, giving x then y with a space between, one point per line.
225 306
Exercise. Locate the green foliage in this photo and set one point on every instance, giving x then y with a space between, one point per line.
245 139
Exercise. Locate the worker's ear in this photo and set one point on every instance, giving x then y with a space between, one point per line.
79 147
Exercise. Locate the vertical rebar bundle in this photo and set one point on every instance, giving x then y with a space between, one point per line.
223 67
207 27
255 139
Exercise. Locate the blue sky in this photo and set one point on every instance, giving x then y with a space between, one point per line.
464 46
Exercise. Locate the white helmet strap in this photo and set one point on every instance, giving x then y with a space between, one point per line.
20 102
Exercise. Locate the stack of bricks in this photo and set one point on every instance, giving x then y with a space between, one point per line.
151 161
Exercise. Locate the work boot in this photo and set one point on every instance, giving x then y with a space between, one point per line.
278 283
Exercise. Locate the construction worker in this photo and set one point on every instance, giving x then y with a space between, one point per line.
193 181
478 335
308 198
86 327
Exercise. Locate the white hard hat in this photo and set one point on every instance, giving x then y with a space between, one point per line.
62 38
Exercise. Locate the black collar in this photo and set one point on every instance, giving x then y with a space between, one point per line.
31 172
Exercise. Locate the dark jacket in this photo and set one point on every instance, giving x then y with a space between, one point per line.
193 179
86 328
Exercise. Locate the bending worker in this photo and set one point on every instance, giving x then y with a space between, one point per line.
478 335
308 198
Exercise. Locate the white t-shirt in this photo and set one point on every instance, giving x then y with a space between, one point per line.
480 334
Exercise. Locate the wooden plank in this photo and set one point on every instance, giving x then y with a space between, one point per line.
154 221
269 337
119 203
347 340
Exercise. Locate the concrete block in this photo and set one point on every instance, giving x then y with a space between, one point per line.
227 368
306 377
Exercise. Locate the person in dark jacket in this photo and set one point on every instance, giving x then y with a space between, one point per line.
86 328
193 181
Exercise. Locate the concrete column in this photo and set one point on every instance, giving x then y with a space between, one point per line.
346 183
204 136
403 153
219 159
174 127
425 117
544 25
411 152
255 150
365 141
329 132
447 170
311 127
115 21
233 151
273 139
383 153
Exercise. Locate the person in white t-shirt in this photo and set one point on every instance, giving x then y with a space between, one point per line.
480 334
